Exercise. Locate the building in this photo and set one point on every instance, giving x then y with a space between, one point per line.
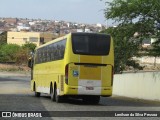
11 20
84 30
21 38
23 28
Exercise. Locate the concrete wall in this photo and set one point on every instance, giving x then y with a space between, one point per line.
21 38
138 85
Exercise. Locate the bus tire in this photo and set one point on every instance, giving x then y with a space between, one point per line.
91 99
57 97
52 93
36 94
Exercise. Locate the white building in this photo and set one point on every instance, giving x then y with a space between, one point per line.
23 27
82 30
99 25
31 23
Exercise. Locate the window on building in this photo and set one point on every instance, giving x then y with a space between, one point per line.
42 40
25 39
33 39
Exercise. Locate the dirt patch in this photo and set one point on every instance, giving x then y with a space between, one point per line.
13 67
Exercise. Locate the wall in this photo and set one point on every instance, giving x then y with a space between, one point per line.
21 38
47 36
144 85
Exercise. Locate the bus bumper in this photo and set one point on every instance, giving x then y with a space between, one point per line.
82 90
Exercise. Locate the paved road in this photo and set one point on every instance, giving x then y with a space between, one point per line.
15 95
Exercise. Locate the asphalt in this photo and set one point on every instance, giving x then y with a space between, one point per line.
15 95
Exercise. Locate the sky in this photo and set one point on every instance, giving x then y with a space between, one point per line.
81 11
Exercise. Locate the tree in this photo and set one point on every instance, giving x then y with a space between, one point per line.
125 47
15 53
155 51
22 57
24 54
29 46
3 38
8 52
132 16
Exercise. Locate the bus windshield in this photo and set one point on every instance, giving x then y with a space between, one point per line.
90 44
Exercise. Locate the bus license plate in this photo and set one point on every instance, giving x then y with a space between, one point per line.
89 88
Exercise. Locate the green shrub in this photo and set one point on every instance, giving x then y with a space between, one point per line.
16 53
8 52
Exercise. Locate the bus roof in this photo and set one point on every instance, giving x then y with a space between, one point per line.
74 33
84 33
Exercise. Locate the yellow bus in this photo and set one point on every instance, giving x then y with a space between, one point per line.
77 65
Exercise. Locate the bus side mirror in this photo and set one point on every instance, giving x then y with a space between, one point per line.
30 60
30 64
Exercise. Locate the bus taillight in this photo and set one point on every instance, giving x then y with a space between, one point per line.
66 74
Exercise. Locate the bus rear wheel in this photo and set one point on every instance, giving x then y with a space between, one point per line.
52 94
36 94
57 97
